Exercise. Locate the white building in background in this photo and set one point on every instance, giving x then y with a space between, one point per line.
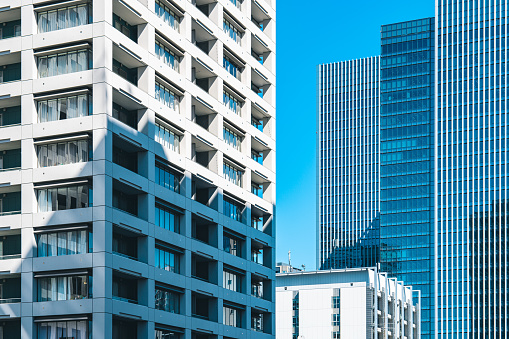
347 304
137 169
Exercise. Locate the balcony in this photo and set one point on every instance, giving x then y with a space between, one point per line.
129 198
204 153
204 230
128 155
10 116
203 37
10 156
204 115
10 289
10 200
204 268
11 328
10 246
204 192
203 307
125 288
125 243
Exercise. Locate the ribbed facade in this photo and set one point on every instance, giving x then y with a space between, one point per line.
348 163
137 169
407 154
472 169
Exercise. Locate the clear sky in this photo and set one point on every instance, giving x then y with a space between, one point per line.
310 33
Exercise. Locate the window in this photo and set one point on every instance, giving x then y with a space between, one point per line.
67 107
336 321
257 190
128 117
231 245
257 289
76 329
168 333
257 255
257 156
64 197
232 280
167 177
232 174
257 321
167 97
125 244
237 3
121 25
167 56
65 17
231 316
125 289
66 242
336 302
257 123
231 67
167 299
125 202
167 218
231 103
166 14
257 223
232 138
167 137
167 259
64 63
63 153
129 74
231 31
72 287
232 209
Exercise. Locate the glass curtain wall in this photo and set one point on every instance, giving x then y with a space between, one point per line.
407 157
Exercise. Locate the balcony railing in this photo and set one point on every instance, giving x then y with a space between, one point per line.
10 301
10 256
132 301
9 169
9 213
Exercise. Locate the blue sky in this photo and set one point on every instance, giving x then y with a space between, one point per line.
308 35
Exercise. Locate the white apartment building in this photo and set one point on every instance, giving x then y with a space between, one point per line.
347 303
137 169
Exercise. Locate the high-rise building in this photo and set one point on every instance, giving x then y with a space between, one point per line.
349 303
407 157
137 169
348 166
443 166
472 168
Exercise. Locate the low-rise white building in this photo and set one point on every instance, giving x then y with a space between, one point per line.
347 303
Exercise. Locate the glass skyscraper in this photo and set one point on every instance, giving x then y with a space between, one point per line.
472 169
442 170
406 157
348 170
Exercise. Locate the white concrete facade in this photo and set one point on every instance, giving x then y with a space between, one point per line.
100 71
348 303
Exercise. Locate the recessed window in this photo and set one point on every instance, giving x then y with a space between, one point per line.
167 97
66 197
64 63
63 153
167 15
64 17
65 107
167 137
65 242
